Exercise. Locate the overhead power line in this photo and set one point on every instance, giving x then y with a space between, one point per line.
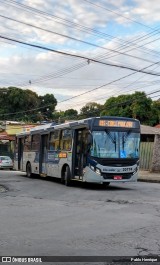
75 39
115 93
46 14
71 23
82 41
84 93
117 13
115 104
105 108
80 56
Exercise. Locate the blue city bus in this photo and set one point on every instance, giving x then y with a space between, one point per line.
96 150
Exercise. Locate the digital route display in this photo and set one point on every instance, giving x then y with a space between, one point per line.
116 123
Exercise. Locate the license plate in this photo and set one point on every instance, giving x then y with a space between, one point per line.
117 177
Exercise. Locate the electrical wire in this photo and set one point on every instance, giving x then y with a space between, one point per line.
73 38
105 108
84 93
117 13
79 56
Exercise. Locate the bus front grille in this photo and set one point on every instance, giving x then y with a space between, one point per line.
112 175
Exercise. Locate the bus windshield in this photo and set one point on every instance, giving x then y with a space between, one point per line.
112 144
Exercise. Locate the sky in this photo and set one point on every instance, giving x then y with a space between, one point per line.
117 34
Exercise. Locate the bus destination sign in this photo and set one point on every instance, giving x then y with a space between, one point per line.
116 123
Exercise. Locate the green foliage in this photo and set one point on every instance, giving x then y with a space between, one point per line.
117 106
18 101
62 116
47 104
70 114
91 109
58 116
136 106
155 114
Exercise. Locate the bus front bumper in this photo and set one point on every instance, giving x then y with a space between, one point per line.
93 176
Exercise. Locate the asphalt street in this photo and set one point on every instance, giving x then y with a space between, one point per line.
45 218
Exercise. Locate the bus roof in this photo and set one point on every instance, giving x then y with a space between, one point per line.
90 121
73 124
22 134
40 128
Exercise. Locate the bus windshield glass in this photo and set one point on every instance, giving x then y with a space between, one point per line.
112 144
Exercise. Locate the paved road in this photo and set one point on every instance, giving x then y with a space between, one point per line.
43 217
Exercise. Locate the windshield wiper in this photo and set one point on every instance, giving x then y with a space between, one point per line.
124 138
113 139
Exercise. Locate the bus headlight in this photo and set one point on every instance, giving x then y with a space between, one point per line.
92 168
98 171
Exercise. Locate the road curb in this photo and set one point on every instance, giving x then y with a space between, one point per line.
149 180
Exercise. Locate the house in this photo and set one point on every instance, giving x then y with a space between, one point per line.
8 131
6 144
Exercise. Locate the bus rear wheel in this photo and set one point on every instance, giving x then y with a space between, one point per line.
67 176
28 170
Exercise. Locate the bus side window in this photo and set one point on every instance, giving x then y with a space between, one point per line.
54 141
27 143
66 140
35 143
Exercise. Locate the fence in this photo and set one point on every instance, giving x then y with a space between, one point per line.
146 152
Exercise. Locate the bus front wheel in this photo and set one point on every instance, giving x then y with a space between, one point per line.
29 170
106 184
67 176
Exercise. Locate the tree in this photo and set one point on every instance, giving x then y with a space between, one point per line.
62 116
136 106
18 101
155 113
71 114
58 116
117 106
47 104
91 109
24 105
2 101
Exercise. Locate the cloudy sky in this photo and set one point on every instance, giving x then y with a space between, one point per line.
122 37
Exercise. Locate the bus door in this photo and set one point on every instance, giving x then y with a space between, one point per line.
20 153
80 148
43 155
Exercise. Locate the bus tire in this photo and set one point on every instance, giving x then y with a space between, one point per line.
29 170
67 176
106 184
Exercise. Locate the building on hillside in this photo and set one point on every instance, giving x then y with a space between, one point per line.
8 131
